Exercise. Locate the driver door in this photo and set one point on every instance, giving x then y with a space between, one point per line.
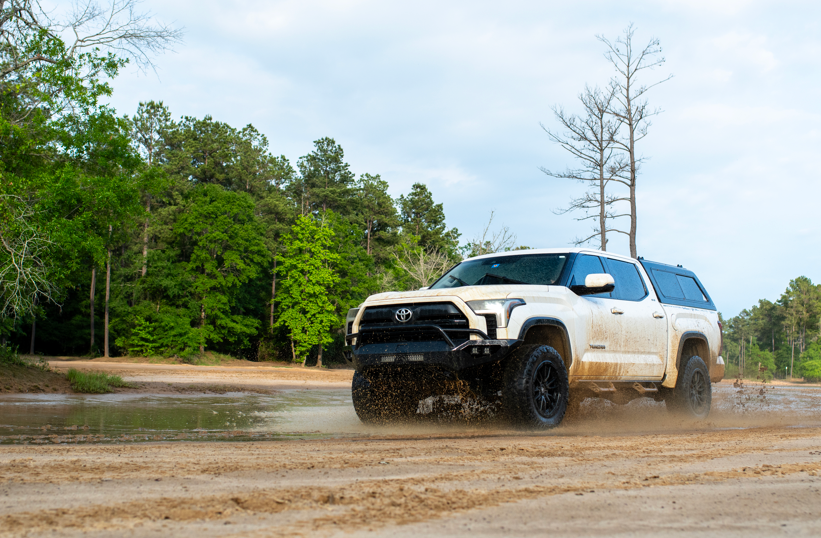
598 338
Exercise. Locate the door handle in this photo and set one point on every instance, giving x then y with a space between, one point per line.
616 311
658 315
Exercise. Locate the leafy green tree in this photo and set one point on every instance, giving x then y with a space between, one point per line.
425 219
381 220
307 274
201 151
221 242
810 365
276 212
759 363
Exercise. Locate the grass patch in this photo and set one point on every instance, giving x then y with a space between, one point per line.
209 358
92 383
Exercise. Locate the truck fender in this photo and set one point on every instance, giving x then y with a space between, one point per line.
673 367
532 327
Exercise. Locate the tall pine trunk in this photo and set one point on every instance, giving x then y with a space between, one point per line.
202 327
91 298
107 296
33 330
632 151
145 237
273 295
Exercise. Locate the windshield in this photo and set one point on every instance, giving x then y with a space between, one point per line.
533 269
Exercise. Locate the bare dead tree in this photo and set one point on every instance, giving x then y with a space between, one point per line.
630 107
422 266
490 242
24 275
591 139
120 27
32 40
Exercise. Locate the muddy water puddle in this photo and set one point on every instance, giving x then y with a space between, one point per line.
307 414
54 419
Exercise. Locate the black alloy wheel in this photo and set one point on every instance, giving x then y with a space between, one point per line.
698 393
547 395
693 395
535 389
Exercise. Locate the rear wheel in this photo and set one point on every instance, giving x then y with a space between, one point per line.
693 395
535 392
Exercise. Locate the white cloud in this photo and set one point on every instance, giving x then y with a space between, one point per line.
451 95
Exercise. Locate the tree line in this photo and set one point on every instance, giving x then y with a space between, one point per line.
780 338
194 236
148 235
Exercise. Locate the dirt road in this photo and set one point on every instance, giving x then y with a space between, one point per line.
751 482
626 471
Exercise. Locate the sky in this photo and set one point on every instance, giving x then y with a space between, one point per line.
452 94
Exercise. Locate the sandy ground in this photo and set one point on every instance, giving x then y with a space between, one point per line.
181 378
642 475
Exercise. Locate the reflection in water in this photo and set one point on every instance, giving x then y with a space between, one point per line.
46 419
122 417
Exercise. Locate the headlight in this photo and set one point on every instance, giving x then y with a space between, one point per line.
501 307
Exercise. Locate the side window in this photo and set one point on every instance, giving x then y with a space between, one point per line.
668 284
629 285
587 265
691 290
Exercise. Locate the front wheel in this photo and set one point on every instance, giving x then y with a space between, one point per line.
693 394
536 388
382 401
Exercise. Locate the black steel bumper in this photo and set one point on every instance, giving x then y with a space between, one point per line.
443 354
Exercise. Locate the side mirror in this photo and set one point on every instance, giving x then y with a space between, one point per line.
425 288
595 283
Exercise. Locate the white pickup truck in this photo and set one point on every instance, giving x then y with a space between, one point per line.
539 331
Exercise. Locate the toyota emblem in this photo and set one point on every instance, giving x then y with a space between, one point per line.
403 314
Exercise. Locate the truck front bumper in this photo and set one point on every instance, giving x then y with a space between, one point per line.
434 353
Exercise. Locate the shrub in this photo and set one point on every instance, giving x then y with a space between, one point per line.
811 371
91 383
9 357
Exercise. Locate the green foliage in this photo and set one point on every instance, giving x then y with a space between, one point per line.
786 328
306 266
94 383
810 368
425 219
213 242
811 371
759 364
221 241
143 340
10 357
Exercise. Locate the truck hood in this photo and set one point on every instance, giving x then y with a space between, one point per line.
466 293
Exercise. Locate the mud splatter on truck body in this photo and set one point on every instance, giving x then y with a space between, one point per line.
539 331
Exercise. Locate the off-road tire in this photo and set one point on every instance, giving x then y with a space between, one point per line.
692 396
382 402
363 399
535 391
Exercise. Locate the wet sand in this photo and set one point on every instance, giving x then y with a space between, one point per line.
752 469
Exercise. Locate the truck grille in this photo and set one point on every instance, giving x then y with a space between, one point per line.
444 315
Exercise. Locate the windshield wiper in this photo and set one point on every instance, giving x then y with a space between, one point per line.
500 277
459 280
